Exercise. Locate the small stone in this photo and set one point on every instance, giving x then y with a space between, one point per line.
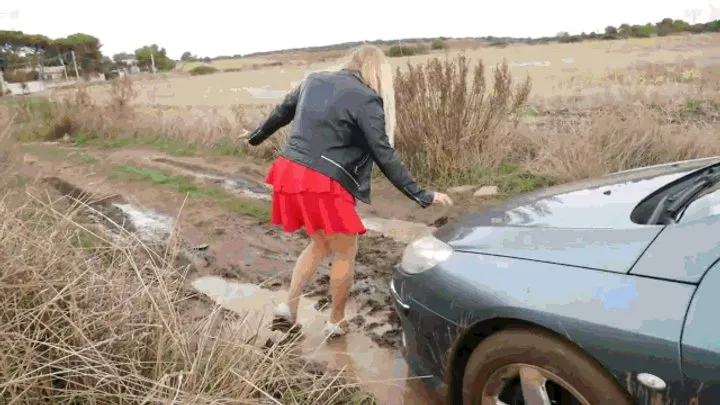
461 189
486 191
66 138
29 159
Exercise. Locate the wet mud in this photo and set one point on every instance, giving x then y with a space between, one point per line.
243 251
266 259
370 291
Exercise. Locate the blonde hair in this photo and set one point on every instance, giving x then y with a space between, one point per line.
375 71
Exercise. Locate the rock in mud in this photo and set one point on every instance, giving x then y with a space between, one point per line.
29 159
486 191
461 189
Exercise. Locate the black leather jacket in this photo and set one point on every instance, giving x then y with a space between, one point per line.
338 129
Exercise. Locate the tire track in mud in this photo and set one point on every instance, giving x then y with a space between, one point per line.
234 249
376 256
267 259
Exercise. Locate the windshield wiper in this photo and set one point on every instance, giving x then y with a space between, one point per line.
668 208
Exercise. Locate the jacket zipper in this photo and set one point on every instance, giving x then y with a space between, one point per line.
362 162
341 168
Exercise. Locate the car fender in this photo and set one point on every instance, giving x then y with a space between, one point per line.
612 317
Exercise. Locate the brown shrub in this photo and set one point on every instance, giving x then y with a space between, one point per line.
453 128
86 320
93 318
623 132
449 121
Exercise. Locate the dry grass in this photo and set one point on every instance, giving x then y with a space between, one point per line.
88 318
449 120
452 129
455 125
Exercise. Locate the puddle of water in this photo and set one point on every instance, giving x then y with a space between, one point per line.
264 92
150 226
537 63
382 371
240 185
237 185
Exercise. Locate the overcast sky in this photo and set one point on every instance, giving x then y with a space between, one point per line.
227 27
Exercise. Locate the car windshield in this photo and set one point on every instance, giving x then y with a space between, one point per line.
705 205
673 205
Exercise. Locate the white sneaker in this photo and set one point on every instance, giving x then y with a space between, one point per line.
282 320
282 311
334 330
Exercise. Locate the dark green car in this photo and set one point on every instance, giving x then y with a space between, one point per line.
594 293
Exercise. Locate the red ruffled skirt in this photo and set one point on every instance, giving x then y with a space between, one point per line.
303 197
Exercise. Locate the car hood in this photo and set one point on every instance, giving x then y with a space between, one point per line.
584 224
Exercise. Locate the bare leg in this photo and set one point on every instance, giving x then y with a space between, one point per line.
344 248
305 267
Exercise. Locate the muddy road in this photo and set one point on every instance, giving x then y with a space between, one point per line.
239 261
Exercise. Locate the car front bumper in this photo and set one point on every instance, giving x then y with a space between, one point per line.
423 349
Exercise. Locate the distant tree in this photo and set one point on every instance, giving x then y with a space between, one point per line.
642 31
188 57
624 30
87 51
697 28
680 25
664 30
21 49
122 56
665 21
162 62
610 32
438 44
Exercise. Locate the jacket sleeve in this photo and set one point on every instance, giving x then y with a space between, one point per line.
371 120
280 116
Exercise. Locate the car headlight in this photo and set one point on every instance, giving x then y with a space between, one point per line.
423 254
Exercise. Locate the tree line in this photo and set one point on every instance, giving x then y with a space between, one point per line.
22 55
666 27
26 52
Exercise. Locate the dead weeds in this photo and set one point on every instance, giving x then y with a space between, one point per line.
453 126
97 317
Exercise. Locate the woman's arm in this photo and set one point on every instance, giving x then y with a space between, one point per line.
371 120
281 115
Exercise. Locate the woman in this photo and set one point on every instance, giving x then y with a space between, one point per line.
343 121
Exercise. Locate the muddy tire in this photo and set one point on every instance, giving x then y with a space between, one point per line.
535 356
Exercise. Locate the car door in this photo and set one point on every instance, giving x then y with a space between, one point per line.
701 342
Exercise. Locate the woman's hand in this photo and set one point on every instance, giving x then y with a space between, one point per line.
442 198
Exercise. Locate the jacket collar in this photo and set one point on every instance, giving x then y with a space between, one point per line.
354 73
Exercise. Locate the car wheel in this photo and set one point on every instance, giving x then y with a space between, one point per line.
532 367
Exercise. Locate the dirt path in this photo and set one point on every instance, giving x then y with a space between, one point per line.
239 252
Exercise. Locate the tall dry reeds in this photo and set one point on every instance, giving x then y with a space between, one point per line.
454 125
452 129
449 120
120 121
92 319
611 132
